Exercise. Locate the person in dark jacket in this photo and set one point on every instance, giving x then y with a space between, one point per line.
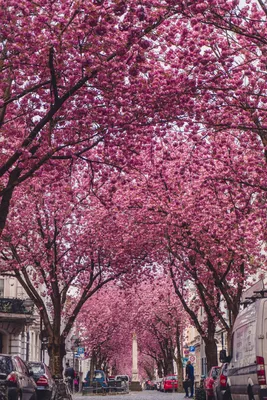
70 374
190 376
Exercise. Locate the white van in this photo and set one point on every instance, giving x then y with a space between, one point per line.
247 368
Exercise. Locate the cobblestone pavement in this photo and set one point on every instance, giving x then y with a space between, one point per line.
144 395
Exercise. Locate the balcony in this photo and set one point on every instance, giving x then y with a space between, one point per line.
16 306
16 310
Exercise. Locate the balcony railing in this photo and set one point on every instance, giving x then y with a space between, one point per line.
16 306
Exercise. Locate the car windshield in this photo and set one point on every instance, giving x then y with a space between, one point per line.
171 377
224 369
98 375
5 365
215 372
36 368
122 377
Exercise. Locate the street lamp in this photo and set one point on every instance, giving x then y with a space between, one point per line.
75 343
28 307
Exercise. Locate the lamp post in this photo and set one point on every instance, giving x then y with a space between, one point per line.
44 338
28 307
75 344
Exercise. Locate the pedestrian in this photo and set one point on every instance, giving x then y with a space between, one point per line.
76 382
186 386
70 375
191 378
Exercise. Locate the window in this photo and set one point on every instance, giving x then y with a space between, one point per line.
24 367
18 365
36 368
2 281
5 365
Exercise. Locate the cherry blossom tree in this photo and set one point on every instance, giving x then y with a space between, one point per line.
204 228
104 329
159 322
108 319
68 85
166 103
63 249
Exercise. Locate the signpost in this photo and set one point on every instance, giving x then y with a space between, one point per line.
192 359
80 350
185 359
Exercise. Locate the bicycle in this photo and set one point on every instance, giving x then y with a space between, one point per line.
62 391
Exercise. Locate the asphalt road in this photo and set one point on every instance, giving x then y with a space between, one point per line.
144 395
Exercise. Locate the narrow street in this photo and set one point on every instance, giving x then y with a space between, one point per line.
144 395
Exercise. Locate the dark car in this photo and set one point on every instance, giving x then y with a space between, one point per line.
45 383
220 387
149 385
15 379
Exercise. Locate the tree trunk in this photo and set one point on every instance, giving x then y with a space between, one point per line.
160 371
56 351
92 366
179 362
168 365
7 196
180 378
211 352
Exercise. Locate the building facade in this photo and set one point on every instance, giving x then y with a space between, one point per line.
19 323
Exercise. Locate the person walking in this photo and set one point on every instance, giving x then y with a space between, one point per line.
76 382
190 376
70 375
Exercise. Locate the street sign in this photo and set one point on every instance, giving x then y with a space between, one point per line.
186 352
192 359
191 349
185 359
80 350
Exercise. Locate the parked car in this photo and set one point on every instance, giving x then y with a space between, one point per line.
169 383
209 380
99 376
247 369
125 380
220 385
158 383
149 384
122 378
15 379
46 386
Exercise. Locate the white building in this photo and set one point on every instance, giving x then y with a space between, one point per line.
19 324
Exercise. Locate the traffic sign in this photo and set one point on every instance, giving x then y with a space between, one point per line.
191 349
192 358
185 359
80 350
